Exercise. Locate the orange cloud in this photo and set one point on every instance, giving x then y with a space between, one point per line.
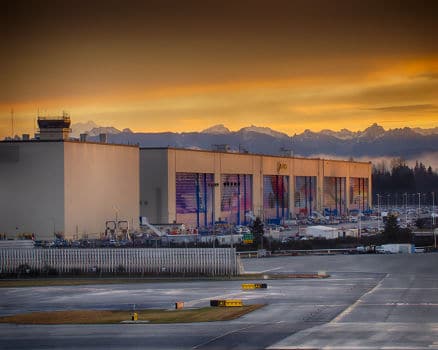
290 104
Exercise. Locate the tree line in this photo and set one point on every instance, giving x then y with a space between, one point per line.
399 184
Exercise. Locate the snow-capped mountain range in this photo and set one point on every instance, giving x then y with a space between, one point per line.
372 142
92 129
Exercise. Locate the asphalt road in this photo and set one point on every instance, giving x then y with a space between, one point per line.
371 301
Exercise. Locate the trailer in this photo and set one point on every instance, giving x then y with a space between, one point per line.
395 248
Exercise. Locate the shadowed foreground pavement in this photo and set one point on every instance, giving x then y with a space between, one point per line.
371 301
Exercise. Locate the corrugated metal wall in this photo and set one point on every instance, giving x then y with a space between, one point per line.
205 261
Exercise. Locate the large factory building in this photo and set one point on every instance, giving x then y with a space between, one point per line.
54 186
199 188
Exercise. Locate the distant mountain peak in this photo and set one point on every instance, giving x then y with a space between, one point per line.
81 128
343 134
432 131
375 126
104 130
402 132
373 132
218 129
309 132
374 141
263 130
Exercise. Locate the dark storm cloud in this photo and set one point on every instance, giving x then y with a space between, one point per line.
407 108
75 48
428 75
341 23
393 94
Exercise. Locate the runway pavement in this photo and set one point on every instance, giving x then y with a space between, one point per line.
370 301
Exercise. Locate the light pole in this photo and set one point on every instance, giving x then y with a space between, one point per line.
262 218
232 235
378 213
419 204
116 228
406 209
54 228
387 204
433 212
231 218
359 224
434 237
213 218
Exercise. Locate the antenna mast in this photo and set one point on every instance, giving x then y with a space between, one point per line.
12 123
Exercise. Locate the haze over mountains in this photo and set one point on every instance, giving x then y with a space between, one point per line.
372 143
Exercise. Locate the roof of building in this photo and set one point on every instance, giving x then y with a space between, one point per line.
250 154
69 141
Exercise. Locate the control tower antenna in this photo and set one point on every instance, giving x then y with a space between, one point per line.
12 123
35 122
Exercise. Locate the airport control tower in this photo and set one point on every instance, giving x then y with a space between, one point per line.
54 128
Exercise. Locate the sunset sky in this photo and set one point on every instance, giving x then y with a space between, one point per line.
187 65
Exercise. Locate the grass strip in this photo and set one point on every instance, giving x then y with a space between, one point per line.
206 314
45 282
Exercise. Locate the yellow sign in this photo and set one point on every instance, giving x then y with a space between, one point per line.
254 286
281 166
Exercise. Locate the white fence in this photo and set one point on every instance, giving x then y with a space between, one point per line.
202 261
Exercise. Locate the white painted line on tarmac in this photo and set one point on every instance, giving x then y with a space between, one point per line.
353 279
348 347
273 269
358 301
410 288
402 347
221 336
401 304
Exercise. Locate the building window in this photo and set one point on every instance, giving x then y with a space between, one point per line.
194 199
334 196
275 198
236 197
359 193
305 195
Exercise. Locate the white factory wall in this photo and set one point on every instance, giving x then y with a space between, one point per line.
159 166
31 188
101 182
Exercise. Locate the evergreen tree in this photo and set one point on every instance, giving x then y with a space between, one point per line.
401 178
393 233
391 229
258 231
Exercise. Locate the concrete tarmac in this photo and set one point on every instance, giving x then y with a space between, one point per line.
370 301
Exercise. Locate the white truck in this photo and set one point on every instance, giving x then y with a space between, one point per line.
396 248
